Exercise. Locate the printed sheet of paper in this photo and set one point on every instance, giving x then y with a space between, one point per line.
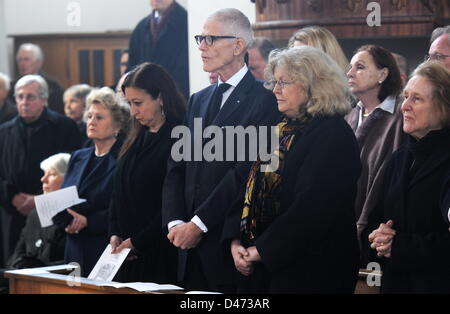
50 204
108 265
143 286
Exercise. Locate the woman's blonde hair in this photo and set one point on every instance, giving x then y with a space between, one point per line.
107 98
323 39
323 80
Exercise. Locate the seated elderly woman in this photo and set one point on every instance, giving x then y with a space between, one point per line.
375 80
74 105
297 225
413 240
91 171
38 246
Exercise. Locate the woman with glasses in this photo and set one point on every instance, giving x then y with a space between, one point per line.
409 230
295 230
374 79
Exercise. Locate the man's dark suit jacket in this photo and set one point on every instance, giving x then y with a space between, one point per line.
170 49
208 189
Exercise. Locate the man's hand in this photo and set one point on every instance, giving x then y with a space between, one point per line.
240 254
24 203
185 235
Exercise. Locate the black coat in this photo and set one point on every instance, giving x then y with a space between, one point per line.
7 111
95 184
135 211
37 246
312 246
445 202
208 189
420 255
170 49
20 158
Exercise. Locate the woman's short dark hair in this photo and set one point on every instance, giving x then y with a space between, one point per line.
383 58
157 82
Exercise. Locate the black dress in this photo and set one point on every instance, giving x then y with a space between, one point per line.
136 208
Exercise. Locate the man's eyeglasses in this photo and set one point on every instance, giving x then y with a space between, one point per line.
436 56
281 83
27 97
209 39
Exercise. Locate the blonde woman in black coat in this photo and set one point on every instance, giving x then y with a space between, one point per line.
295 232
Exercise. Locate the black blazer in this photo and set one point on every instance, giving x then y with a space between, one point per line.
312 246
208 189
170 49
420 255
135 210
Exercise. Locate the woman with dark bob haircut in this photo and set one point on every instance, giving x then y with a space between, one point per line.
157 106
374 79
409 232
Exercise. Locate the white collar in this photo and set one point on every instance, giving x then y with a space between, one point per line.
236 78
387 105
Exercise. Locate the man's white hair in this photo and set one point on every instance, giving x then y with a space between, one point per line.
36 51
5 80
30 79
236 23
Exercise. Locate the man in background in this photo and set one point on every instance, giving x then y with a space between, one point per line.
30 60
162 38
7 108
258 56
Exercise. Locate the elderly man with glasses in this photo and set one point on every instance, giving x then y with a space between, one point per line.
440 50
34 134
197 194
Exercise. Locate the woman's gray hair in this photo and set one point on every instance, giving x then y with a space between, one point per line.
30 79
57 162
6 81
80 91
324 82
236 23
107 98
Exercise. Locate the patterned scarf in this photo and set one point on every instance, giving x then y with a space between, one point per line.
263 192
